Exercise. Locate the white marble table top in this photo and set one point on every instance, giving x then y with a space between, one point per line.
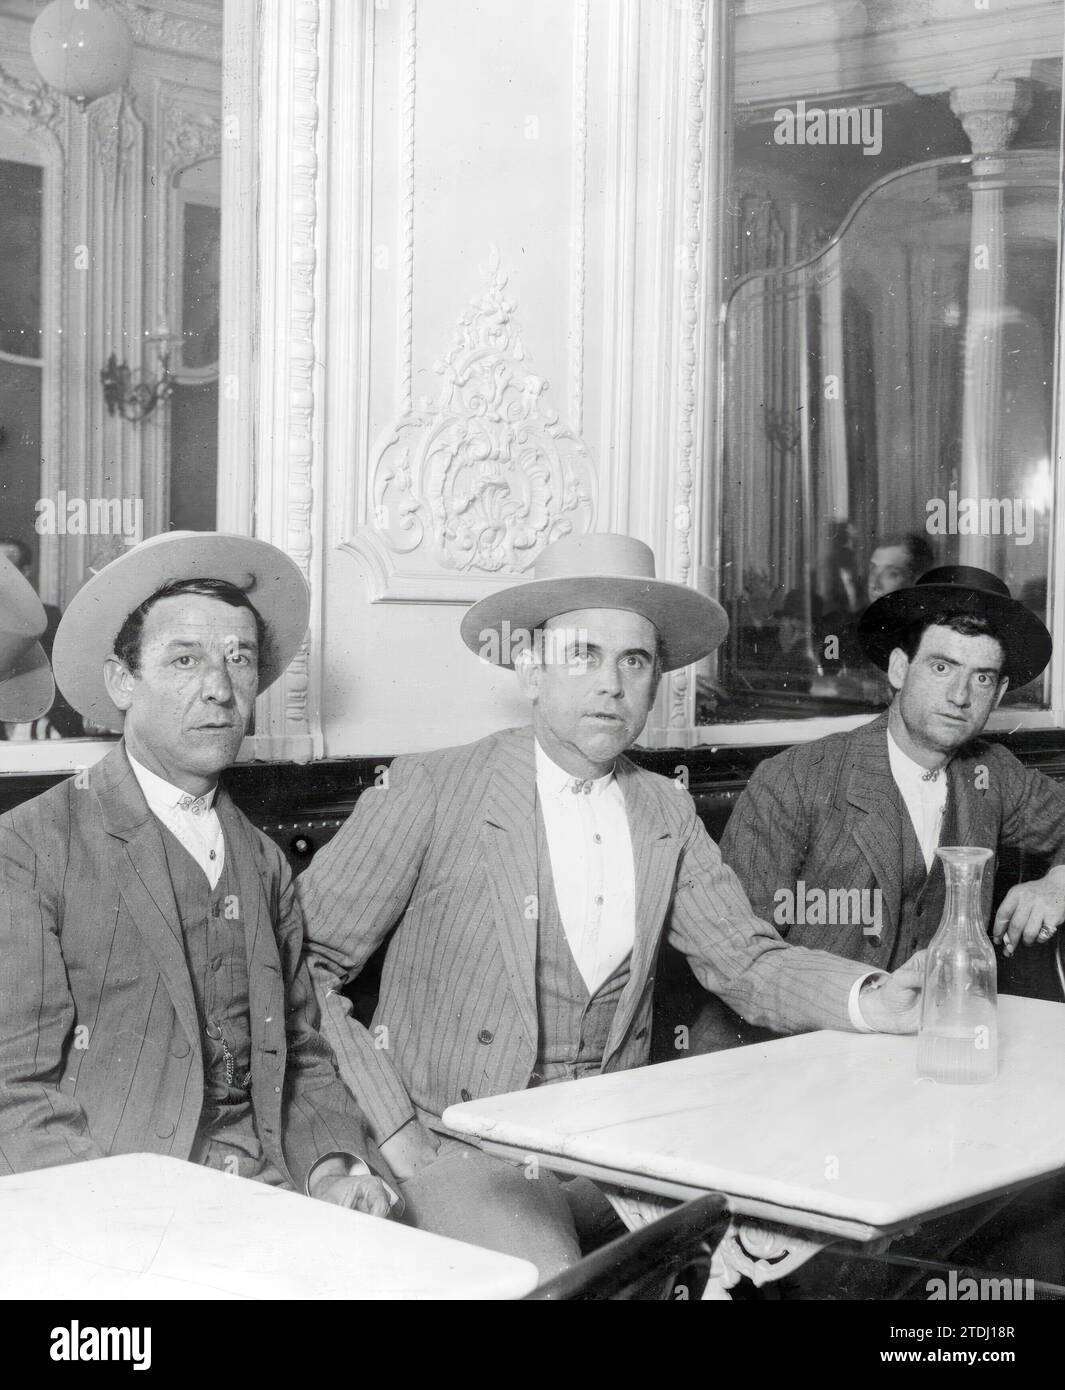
832 1132
143 1226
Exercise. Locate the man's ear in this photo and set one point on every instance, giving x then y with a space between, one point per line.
119 681
898 665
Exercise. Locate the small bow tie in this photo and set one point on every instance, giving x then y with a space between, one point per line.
579 785
196 804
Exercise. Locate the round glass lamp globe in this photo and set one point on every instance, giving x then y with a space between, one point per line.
82 49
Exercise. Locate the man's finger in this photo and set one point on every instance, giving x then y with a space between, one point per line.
1005 913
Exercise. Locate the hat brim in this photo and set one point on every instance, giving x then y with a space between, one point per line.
690 624
86 635
29 691
1025 640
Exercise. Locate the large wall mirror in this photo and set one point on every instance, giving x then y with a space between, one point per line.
891 318
117 303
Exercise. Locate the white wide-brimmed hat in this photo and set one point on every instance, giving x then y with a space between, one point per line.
26 685
86 637
597 571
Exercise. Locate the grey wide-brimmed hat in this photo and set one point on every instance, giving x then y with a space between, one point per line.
26 685
86 637
597 571
959 589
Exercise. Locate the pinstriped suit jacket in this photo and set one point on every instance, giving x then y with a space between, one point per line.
829 813
444 859
99 1037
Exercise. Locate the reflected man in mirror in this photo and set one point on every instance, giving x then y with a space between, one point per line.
525 884
152 997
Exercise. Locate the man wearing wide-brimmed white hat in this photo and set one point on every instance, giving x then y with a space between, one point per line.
152 997
527 882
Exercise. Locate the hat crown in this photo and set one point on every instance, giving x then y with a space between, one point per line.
965 577
600 554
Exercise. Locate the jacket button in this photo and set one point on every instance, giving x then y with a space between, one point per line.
180 1048
164 1131
277 1089
465 1094
485 1036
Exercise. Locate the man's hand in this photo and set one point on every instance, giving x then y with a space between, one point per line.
1031 912
892 1003
410 1148
367 1194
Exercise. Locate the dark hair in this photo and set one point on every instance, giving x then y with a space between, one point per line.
968 624
25 552
128 641
919 549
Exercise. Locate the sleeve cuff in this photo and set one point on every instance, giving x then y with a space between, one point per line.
854 1009
356 1168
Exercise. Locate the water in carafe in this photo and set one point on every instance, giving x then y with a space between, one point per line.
958 1038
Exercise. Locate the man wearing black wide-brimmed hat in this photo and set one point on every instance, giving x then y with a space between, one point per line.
866 809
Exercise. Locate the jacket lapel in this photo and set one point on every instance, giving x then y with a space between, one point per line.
248 874
878 831
974 820
138 863
508 838
654 853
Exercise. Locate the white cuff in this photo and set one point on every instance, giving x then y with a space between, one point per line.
854 1009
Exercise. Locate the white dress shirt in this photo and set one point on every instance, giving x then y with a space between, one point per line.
592 866
192 819
925 798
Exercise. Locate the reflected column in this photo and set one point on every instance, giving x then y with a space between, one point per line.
989 113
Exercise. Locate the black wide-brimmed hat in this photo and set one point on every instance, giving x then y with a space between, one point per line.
959 589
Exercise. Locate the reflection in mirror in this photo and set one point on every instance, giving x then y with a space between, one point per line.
110 237
891 318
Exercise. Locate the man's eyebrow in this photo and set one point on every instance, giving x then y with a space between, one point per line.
950 661
175 643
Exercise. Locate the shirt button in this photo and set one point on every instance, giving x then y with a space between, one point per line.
216 964
484 1036
465 1094
277 1089
180 1049
599 900
598 839
164 1131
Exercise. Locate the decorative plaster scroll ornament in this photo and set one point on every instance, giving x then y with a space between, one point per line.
476 483
35 107
154 28
189 136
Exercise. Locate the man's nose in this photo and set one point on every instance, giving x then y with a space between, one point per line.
958 690
217 684
609 681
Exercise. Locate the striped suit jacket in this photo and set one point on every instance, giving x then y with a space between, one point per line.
828 814
443 859
99 1036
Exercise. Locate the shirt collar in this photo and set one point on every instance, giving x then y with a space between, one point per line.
160 793
905 766
550 778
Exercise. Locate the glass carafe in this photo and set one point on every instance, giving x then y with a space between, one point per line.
958 1039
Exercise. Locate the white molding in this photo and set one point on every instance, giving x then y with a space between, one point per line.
289 377
618 279
579 217
238 298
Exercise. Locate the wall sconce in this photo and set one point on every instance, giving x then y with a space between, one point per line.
84 51
134 394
